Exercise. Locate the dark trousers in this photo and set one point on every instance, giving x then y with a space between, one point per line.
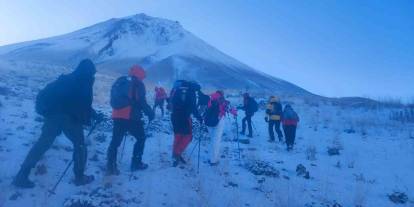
290 134
248 119
274 125
52 127
160 104
121 127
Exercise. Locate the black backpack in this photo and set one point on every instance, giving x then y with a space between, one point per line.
51 97
254 105
120 93
182 96
211 116
44 99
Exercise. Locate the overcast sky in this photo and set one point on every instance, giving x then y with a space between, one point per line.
332 48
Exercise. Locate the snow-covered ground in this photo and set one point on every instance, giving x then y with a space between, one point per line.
375 158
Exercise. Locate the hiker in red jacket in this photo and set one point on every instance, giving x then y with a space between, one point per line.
160 97
128 102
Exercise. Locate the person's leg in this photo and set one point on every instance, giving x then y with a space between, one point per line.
136 129
244 120
118 133
162 107
216 141
188 136
278 131
50 130
74 132
293 136
286 132
271 123
249 123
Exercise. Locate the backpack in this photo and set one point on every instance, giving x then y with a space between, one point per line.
182 96
254 105
211 116
51 97
120 93
44 98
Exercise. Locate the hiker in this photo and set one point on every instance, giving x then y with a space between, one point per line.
250 106
66 105
273 114
128 103
290 120
160 97
214 119
183 104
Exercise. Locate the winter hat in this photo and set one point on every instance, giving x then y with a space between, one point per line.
274 99
215 96
288 106
137 71
85 68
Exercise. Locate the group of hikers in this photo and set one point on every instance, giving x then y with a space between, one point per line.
66 105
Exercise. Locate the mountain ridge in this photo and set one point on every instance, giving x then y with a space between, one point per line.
151 42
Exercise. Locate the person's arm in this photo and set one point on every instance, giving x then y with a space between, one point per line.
142 101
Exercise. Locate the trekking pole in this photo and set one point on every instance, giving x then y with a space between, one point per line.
52 191
237 135
199 150
123 148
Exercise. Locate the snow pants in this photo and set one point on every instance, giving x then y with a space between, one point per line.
274 125
216 134
53 126
247 119
182 134
122 126
290 134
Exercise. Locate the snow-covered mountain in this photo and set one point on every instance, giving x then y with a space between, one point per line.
163 47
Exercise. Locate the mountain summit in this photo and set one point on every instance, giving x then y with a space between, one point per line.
162 46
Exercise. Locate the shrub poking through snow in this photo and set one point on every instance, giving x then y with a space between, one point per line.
262 168
301 171
398 197
333 151
311 153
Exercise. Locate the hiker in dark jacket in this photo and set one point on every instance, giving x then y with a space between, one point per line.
183 101
273 116
129 119
249 107
66 105
290 121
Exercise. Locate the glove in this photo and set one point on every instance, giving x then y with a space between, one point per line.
266 119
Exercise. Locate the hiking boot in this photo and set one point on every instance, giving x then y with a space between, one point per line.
112 171
23 182
181 159
139 165
271 140
175 163
242 133
84 180
250 136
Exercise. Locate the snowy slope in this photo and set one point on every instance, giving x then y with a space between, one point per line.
375 158
161 45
